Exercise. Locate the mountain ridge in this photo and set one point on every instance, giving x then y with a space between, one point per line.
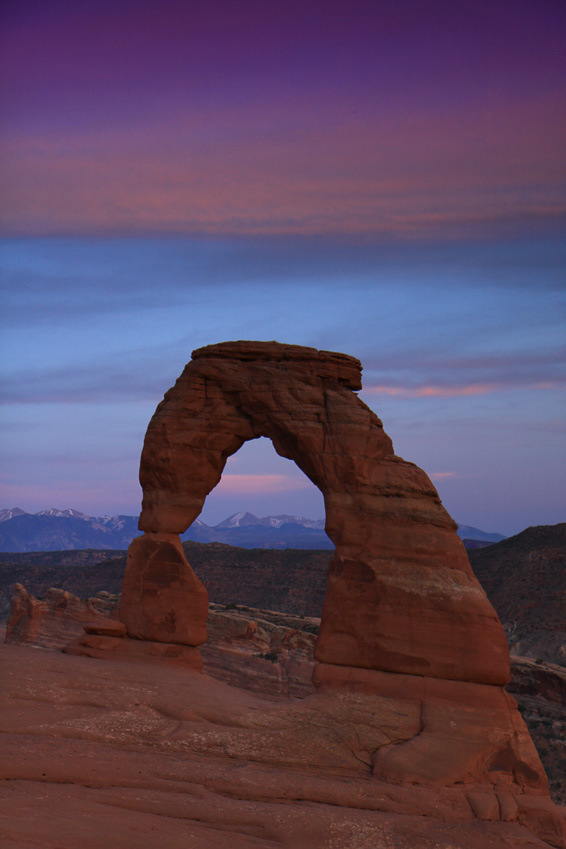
54 529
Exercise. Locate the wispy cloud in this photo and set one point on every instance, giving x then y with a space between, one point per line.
432 391
116 496
257 484
103 382
364 182
435 370
474 389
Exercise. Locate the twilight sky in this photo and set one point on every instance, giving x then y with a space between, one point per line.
382 178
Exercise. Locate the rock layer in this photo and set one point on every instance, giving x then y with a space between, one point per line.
271 653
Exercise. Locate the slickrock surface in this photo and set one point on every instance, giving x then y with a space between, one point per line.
401 596
100 753
262 651
272 654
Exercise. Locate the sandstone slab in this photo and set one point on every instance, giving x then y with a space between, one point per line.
100 753
145 651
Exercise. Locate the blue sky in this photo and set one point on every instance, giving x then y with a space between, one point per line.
463 346
383 179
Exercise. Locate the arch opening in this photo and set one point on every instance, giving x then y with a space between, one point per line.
258 481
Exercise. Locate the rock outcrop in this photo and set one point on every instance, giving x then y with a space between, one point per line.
262 651
164 599
401 596
54 620
412 658
540 689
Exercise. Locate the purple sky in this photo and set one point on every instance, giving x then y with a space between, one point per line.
381 178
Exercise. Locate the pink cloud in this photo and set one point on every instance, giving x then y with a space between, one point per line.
257 484
433 391
118 496
237 171
470 389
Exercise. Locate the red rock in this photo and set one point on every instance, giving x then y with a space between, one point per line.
126 754
51 622
405 624
258 650
401 595
411 654
162 598
451 731
110 628
509 810
539 816
541 680
262 651
144 651
432 736
484 805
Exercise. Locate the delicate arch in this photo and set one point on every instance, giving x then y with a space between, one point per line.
401 595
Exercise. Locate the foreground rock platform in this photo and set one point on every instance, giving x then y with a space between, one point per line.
135 755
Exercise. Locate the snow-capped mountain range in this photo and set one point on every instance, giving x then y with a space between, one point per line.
57 530
240 520
114 522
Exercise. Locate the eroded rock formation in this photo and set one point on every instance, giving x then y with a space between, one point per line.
412 658
52 621
401 596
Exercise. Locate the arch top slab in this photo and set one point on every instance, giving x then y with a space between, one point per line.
328 364
401 595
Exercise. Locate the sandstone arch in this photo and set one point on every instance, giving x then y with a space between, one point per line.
401 596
